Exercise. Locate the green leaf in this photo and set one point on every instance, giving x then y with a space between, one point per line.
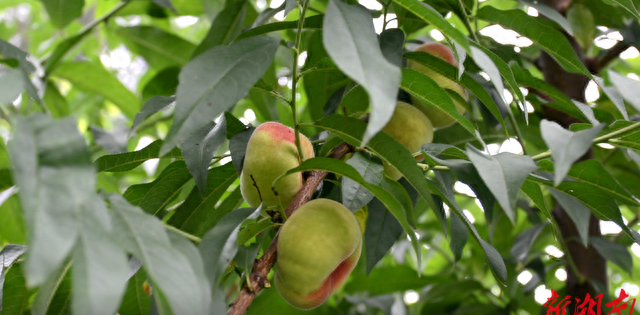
135 300
225 27
10 253
551 40
551 14
429 93
55 102
581 20
53 171
229 203
15 298
197 207
389 279
630 89
11 85
351 42
5 180
312 22
219 246
566 146
54 294
395 206
458 230
355 196
113 141
391 42
62 12
199 149
577 211
428 14
238 148
381 232
252 230
170 270
99 273
152 106
216 80
11 218
614 252
629 139
158 48
593 172
127 161
92 77
154 197
629 6
444 68
534 192
523 242
503 174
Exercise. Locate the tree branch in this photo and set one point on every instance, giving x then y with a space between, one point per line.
258 278
611 55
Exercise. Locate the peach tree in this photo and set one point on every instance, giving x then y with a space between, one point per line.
487 150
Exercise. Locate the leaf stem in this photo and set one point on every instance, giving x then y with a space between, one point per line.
294 77
517 129
467 22
190 237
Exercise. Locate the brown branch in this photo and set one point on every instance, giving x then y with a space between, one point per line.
611 55
261 267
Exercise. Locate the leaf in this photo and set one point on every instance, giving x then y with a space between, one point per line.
238 148
578 213
197 207
15 298
630 89
228 204
444 68
152 106
503 174
614 252
534 192
391 42
158 48
390 279
551 40
429 93
172 274
381 232
55 102
10 253
355 196
523 242
11 85
458 230
395 206
428 14
62 12
99 273
566 146
350 41
290 5
135 300
629 6
113 141
219 246
53 171
252 230
127 161
198 150
54 294
593 172
225 27
91 77
312 22
551 14
153 197
216 80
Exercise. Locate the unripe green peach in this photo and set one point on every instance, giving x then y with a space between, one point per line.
438 117
271 152
411 128
318 247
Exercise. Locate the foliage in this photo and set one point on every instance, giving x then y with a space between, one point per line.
124 126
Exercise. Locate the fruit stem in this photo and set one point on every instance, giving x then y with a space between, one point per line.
294 78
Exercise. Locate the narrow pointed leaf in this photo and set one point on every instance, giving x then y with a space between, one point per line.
614 252
62 12
312 22
523 242
351 42
629 6
355 196
152 106
630 89
225 27
216 80
170 270
159 48
503 174
566 146
578 213
382 231
198 150
127 161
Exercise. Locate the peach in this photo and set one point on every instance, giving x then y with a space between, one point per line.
318 247
271 152
438 117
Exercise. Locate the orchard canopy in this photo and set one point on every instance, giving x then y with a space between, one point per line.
124 130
